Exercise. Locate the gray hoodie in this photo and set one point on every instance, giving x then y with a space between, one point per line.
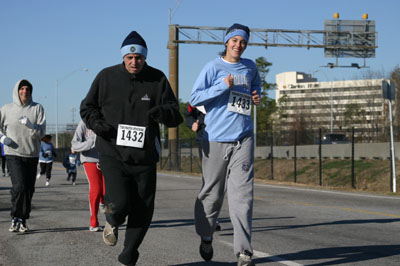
84 142
25 141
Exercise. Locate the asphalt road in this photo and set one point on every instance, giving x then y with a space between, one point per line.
291 226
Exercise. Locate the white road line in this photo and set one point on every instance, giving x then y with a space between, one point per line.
330 192
270 257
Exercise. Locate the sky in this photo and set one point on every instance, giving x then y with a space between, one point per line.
53 41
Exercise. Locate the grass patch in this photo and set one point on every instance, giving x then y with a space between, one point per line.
369 175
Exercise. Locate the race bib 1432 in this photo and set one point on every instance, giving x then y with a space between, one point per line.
131 136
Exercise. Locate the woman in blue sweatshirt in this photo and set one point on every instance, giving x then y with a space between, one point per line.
227 87
46 158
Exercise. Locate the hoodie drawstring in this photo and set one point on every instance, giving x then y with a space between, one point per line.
238 145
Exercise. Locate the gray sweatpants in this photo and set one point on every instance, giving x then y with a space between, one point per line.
227 167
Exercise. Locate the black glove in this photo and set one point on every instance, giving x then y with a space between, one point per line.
104 130
156 113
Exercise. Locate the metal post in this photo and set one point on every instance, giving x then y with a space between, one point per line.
56 113
295 155
272 156
255 126
331 108
392 147
352 160
191 155
320 156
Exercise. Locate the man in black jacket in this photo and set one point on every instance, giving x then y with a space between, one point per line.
124 107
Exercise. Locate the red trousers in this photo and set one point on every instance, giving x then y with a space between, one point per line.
96 190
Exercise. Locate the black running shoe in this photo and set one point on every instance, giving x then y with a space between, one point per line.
206 250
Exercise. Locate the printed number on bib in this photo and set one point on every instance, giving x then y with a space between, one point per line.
131 136
239 103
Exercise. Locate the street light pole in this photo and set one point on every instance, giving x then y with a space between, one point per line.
56 113
331 108
57 82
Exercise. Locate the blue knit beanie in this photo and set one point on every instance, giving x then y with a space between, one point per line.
134 44
237 30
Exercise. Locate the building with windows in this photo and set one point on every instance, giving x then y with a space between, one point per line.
335 105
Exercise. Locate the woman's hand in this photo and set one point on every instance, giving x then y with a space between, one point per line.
255 98
229 81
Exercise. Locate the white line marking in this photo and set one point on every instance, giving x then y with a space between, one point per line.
270 257
331 192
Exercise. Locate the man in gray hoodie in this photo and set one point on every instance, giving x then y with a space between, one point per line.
22 125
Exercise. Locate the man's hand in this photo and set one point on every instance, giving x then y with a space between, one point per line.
156 113
255 98
104 130
195 126
5 140
25 121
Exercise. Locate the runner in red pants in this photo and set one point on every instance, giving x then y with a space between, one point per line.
96 191
84 142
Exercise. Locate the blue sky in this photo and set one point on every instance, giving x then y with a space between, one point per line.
47 40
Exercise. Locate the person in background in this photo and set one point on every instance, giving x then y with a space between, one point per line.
124 107
227 87
22 126
84 142
71 161
46 158
195 121
3 161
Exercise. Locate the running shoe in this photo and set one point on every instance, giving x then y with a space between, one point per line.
47 183
206 250
14 225
244 259
22 226
94 229
218 227
38 176
110 234
73 183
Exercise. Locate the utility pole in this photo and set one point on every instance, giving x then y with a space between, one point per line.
173 140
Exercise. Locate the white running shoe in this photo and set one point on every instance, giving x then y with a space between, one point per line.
14 225
22 226
110 234
244 259
47 183
38 176
94 229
